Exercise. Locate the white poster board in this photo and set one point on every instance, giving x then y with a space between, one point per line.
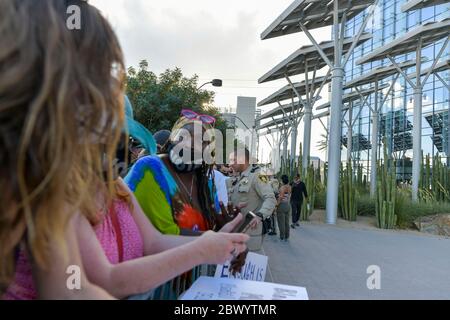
207 288
254 269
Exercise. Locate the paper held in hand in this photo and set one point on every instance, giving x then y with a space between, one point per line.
207 288
254 269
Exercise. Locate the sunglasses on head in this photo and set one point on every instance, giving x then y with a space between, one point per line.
192 115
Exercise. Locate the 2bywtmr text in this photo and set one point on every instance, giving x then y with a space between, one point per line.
227 309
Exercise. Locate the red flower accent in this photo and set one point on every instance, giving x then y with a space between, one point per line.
190 218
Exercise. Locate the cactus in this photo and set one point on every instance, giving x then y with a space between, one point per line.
427 173
386 194
435 180
310 181
359 176
421 181
318 175
348 194
300 162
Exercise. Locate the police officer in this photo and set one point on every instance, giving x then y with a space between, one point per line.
251 191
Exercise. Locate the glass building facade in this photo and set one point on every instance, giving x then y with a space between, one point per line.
396 115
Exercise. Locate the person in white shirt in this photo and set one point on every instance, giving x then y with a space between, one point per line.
221 186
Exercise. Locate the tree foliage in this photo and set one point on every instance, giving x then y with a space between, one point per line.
157 100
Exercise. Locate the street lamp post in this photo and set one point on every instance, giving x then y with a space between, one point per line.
214 82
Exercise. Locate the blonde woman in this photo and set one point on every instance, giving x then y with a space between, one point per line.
61 116
59 119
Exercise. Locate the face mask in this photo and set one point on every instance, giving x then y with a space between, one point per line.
177 161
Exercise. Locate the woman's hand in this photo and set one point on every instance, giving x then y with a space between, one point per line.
218 248
232 225
228 214
254 223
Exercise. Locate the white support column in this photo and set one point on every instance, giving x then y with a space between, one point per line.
417 126
350 133
307 121
417 122
285 147
448 132
417 142
307 136
374 142
294 135
334 145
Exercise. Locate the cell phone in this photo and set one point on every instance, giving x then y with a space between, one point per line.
243 227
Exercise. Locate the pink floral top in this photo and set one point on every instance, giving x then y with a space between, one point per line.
23 288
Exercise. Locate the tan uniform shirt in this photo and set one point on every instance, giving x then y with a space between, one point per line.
253 190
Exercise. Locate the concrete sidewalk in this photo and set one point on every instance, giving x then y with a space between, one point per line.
331 262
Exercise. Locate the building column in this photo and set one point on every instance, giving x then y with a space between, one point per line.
417 142
350 133
294 144
307 137
334 147
374 150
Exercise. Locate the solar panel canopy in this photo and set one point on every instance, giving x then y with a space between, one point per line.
313 14
420 4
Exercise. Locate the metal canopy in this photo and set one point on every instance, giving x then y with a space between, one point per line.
279 111
420 4
378 74
441 66
275 122
414 41
321 115
314 14
327 113
353 96
308 58
428 33
287 92
305 15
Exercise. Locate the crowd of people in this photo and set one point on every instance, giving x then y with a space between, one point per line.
289 195
84 185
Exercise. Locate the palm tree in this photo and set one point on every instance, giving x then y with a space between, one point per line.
322 145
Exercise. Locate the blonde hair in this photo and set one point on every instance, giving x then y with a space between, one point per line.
61 110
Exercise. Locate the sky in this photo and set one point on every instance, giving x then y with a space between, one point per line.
213 39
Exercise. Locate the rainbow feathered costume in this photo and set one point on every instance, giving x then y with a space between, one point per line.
156 191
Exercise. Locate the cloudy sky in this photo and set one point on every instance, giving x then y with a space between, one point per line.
213 39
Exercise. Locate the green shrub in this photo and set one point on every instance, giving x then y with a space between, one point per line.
366 205
320 199
411 211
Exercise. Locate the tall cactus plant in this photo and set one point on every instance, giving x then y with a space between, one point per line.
435 180
386 194
300 161
308 204
348 194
